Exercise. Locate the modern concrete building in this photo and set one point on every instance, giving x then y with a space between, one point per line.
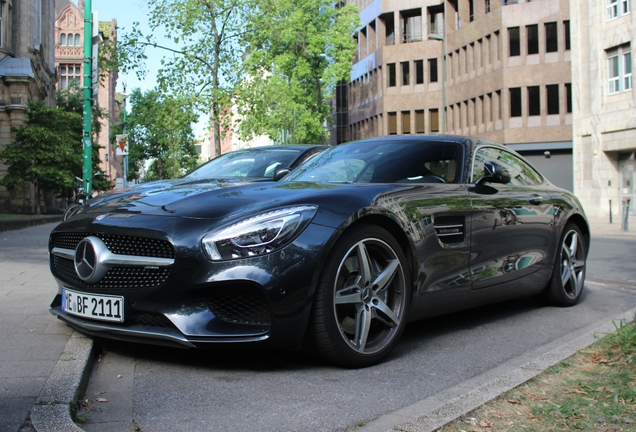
28 73
505 75
604 124
69 57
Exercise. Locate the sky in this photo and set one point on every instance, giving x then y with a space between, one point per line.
127 12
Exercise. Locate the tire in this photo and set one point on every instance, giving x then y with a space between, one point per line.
360 311
71 210
568 276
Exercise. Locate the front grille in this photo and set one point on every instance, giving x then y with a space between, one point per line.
149 319
450 229
240 305
118 244
116 278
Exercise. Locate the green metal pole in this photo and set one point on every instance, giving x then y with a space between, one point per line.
125 156
88 94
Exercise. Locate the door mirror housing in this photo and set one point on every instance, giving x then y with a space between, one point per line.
494 173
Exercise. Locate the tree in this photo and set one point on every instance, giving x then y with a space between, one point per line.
47 152
298 51
72 100
159 131
204 39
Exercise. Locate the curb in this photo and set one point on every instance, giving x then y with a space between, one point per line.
16 224
436 411
52 411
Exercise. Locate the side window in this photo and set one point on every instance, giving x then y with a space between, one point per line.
521 174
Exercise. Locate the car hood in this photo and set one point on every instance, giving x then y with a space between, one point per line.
211 200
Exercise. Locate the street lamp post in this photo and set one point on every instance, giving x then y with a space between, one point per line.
442 37
124 131
88 94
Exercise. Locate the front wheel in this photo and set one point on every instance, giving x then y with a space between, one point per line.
568 276
361 302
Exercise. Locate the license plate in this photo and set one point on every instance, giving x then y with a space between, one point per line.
98 307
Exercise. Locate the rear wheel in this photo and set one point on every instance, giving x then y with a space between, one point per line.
361 302
568 277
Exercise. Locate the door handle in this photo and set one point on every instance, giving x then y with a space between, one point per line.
535 199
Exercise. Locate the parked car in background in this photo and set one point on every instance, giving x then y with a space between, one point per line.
337 257
256 163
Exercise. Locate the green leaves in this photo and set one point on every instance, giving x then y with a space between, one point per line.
47 152
160 133
299 50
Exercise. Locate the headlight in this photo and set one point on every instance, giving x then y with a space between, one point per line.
258 235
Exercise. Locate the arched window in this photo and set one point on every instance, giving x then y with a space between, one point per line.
77 39
62 38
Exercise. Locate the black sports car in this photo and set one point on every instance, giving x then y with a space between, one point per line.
336 257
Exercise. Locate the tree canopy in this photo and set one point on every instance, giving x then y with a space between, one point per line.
203 52
46 152
159 132
275 62
298 51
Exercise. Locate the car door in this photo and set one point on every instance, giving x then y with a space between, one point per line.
512 218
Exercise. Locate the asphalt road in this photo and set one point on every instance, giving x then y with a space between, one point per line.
160 389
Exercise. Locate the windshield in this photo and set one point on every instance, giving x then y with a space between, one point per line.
385 161
253 163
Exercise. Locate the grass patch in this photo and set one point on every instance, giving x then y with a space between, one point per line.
594 390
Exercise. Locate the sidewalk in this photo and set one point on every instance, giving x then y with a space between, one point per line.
43 363
602 227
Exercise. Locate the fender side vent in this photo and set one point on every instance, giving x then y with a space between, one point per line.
450 229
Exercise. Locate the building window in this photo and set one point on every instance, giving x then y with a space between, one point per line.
2 26
69 74
411 26
487 4
617 8
62 39
534 101
392 123
434 120
620 69
419 122
515 102
419 71
509 2
406 122
568 98
551 39
553 98
497 45
432 69
392 78
406 76
389 26
532 32
471 10
499 112
566 31
514 42
78 41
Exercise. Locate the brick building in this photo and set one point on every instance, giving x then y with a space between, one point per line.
507 75
604 128
69 55
28 73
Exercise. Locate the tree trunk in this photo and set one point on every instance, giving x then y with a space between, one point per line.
38 203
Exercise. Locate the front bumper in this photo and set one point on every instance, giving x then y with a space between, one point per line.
259 301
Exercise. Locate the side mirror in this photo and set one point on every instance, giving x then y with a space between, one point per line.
494 173
280 173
